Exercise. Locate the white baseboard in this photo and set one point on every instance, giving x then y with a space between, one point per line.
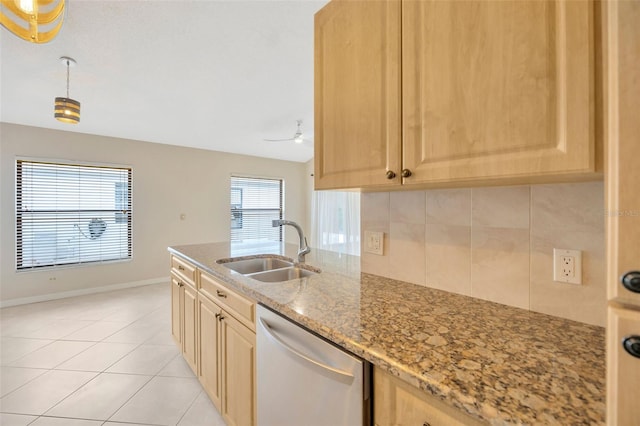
81 292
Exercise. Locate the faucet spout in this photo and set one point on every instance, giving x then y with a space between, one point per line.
303 248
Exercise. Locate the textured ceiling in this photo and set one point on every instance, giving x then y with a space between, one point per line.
218 75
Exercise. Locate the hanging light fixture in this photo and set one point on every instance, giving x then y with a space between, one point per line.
66 109
37 21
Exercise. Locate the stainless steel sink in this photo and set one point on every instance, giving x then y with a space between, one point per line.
284 274
261 264
270 269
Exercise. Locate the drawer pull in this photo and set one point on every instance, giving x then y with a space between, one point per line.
426 424
181 268
221 294
632 345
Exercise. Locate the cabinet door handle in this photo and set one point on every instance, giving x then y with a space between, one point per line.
406 173
426 424
631 344
221 294
180 284
631 281
220 318
181 268
390 174
217 316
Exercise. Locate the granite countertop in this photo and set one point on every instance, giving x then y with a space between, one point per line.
499 364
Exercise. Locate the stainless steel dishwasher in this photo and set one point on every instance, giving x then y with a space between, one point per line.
303 379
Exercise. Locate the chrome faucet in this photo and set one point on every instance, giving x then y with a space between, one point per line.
303 248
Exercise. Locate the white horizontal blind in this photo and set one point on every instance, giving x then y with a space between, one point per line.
71 214
255 203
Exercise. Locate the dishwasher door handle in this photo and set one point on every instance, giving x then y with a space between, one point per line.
340 375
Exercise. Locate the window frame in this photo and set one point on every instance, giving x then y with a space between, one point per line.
71 163
240 210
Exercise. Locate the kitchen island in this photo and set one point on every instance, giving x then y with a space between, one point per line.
498 364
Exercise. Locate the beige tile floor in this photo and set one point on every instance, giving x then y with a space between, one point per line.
102 359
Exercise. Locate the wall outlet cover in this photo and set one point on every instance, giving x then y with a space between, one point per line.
374 242
567 266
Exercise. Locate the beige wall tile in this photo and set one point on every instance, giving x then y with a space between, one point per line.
374 206
407 253
501 207
407 207
495 243
449 207
568 207
585 303
569 216
500 265
448 258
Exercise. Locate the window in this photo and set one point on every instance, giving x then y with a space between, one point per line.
255 202
336 221
71 214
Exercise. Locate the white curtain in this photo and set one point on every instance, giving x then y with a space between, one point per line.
335 221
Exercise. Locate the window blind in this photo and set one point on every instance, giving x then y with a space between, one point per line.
71 214
255 202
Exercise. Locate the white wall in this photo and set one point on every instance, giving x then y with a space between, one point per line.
167 181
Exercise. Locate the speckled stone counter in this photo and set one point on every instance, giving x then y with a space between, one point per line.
500 364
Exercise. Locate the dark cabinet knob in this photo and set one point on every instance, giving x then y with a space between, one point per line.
631 344
406 173
631 281
390 174
221 294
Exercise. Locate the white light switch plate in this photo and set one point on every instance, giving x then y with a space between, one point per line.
373 242
567 266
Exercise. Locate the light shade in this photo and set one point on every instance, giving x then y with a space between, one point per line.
37 21
67 110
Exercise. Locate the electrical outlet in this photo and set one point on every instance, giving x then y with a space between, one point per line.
373 242
567 266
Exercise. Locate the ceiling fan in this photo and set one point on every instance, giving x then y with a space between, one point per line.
298 136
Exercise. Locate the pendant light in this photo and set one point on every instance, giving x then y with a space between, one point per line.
37 21
66 109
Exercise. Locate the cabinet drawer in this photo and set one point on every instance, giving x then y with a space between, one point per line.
242 308
184 269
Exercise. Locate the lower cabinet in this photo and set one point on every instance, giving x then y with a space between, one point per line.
398 403
183 317
238 347
209 349
215 329
227 359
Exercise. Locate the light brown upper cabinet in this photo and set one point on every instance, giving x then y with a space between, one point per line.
446 93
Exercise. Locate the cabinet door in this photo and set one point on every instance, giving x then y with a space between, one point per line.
497 90
623 209
623 369
397 403
209 349
357 94
176 311
238 372
189 336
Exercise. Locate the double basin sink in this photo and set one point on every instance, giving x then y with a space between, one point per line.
268 268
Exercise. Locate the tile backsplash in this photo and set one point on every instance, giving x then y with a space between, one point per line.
494 243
